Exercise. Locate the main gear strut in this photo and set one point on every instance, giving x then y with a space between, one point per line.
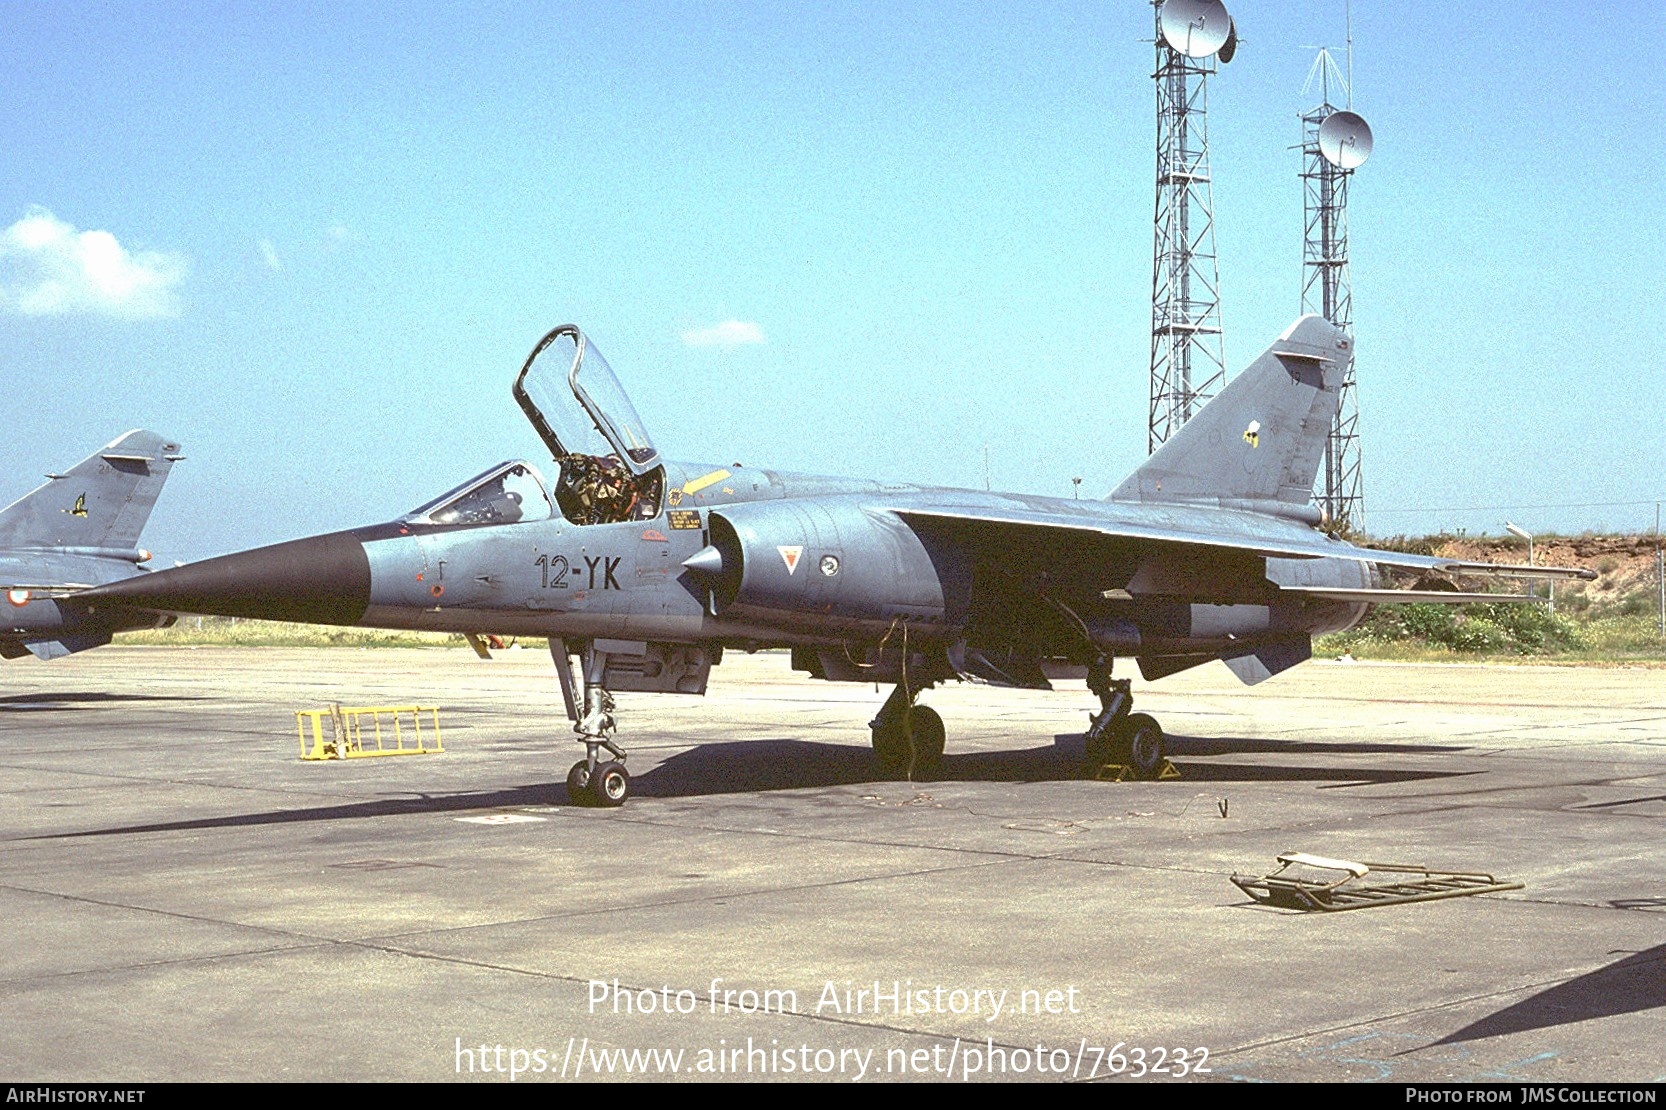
907 738
1116 735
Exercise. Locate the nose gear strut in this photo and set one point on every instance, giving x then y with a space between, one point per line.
592 780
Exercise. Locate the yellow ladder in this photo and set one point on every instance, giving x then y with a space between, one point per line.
348 736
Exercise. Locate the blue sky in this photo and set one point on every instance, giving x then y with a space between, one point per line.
330 234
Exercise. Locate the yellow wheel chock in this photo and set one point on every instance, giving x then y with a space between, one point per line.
1123 772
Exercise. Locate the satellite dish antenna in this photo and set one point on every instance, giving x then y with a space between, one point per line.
1195 28
1231 48
1345 140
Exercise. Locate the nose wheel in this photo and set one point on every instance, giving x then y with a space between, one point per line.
610 784
605 784
578 781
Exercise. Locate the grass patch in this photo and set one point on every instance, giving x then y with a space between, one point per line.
1475 633
1614 619
232 632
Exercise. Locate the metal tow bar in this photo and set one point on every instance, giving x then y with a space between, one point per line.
1411 883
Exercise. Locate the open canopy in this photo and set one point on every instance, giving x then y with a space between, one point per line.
576 404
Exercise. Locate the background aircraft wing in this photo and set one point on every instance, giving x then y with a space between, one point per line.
46 590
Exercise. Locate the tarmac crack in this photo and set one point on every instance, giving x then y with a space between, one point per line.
999 855
165 780
309 941
1570 784
183 961
698 899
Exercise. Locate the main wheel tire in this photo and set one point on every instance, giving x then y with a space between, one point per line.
1142 739
890 749
1100 747
929 734
578 784
611 784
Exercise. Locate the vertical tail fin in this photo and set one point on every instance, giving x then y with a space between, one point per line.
1262 438
102 501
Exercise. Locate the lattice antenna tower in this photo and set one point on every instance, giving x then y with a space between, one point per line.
1335 142
1188 362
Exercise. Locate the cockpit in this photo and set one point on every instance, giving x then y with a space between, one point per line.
509 493
609 470
599 489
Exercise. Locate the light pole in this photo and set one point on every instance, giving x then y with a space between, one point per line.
1518 530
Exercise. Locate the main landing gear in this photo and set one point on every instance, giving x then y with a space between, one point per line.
907 738
592 780
1115 735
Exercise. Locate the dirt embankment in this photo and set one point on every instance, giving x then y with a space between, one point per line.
1625 565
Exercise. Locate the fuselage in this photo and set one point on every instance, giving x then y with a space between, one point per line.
812 561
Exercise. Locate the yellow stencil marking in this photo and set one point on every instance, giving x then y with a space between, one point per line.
695 485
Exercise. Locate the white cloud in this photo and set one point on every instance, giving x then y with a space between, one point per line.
728 335
270 254
342 235
48 268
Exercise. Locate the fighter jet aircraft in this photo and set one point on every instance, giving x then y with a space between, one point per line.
80 529
645 571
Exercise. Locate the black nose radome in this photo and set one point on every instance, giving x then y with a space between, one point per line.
318 580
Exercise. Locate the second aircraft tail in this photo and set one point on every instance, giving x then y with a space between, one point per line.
101 502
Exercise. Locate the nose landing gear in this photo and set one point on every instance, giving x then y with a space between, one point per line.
592 780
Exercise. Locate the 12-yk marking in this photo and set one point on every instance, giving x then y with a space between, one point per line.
553 571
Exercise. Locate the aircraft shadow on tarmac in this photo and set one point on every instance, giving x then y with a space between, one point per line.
36 703
763 765
540 794
760 766
1233 745
1628 986
1180 747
